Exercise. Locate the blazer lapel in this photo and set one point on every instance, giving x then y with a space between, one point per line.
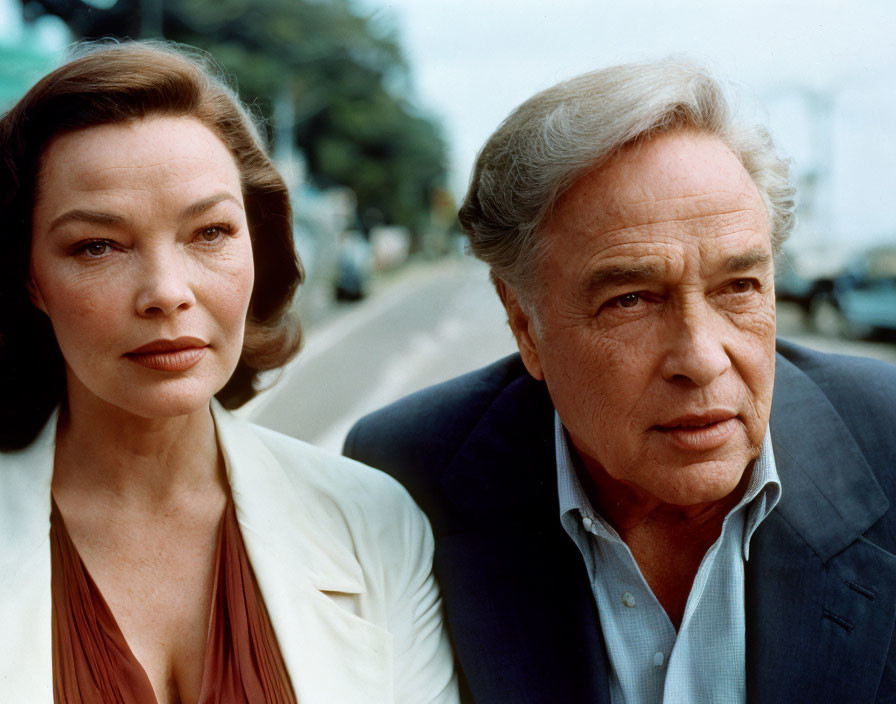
26 661
515 588
821 599
303 573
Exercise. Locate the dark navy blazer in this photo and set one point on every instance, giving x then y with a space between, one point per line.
477 454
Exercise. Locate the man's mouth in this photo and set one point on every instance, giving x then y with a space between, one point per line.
699 420
702 431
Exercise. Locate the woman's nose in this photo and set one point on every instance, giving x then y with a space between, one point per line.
164 285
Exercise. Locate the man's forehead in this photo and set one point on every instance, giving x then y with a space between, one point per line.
675 176
644 262
609 213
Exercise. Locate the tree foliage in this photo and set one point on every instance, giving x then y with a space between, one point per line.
344 73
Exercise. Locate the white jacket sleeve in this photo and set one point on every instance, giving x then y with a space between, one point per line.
423 660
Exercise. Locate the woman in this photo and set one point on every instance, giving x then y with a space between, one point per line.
153 547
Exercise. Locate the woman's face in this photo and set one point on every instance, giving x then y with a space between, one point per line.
141 258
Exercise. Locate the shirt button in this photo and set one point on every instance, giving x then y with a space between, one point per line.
588 523
658 659
628 599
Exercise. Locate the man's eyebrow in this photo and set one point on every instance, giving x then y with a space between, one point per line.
201 206
619 274
747 260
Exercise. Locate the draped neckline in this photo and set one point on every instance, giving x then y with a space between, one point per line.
93 664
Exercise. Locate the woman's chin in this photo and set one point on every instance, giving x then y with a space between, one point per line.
157 401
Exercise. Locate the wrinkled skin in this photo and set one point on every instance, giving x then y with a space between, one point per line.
655 328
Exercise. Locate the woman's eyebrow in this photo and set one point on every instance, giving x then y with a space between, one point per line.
96 217
201 206
93 217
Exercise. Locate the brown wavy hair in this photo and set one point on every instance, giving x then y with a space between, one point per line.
111 83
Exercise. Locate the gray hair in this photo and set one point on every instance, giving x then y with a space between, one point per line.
556 136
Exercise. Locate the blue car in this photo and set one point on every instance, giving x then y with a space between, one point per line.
861 302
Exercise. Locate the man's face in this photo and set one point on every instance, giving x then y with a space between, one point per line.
655 333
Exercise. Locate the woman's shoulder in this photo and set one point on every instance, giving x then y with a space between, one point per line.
330 472
338 492
353 528
25 477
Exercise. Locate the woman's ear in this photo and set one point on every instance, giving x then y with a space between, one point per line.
34 293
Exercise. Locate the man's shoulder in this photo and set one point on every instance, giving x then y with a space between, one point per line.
434 421
860 393
860 384
446 442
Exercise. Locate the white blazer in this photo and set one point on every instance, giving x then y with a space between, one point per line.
341 554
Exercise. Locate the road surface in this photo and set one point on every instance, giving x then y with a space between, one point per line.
430 323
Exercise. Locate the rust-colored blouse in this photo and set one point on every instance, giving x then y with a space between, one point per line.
92 663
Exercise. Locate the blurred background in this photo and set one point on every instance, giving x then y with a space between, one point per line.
375 111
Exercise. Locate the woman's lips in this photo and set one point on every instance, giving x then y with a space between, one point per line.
700 436
169 355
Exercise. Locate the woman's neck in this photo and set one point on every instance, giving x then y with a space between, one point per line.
145 464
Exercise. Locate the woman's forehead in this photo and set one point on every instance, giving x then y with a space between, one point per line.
178 155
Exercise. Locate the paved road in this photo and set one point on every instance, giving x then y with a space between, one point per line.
427 324
431 323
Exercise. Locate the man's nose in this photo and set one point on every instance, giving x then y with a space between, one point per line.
164 284
697 350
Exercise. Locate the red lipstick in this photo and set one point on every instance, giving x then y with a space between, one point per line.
169 355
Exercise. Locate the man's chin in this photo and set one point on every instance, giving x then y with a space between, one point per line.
705 482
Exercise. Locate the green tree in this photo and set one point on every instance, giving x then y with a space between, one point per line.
346 76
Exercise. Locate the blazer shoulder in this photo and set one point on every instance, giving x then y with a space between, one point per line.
348 543
860 390
434 422
276 477
860 385
345 486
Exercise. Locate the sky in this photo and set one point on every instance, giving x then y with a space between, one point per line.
473 61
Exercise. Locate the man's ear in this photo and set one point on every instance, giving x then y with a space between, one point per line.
523 328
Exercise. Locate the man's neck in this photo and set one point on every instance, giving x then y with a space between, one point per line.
668 542
627 507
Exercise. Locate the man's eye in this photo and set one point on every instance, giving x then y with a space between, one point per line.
629 300
742 285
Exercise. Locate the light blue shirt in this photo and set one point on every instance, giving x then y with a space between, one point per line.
649 663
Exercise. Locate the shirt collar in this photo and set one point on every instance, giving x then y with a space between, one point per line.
762 494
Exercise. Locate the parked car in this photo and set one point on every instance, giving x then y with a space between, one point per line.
793 287
861 302
353 267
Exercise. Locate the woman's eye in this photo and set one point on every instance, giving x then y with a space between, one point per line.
94 249
213 233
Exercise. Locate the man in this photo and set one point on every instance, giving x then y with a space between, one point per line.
646 504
